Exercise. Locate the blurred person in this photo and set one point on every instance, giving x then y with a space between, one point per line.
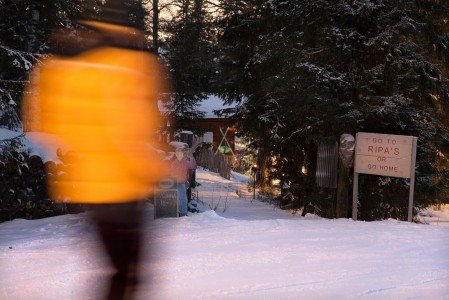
101 102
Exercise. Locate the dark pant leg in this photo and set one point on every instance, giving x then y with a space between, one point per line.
120 229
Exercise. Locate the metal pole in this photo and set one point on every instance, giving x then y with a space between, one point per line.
254 185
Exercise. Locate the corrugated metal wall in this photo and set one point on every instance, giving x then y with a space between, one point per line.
327 165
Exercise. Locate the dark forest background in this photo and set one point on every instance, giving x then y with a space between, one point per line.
299 73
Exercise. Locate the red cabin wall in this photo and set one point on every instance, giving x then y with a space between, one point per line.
214 125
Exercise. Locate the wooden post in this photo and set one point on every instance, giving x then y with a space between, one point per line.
412 180
355 196
342 192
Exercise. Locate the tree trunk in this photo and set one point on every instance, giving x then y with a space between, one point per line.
34 22
155 45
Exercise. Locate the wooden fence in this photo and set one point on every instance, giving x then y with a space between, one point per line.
215 162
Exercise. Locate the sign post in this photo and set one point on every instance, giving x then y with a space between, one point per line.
385 155
166 200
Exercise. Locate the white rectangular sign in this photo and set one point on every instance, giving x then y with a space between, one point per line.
384 154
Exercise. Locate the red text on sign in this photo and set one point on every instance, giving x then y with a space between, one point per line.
383 150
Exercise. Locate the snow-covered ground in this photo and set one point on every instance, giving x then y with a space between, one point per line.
243 249
436 216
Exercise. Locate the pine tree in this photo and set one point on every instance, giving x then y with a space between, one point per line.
25 26
243 23
316 69
190 56
15 59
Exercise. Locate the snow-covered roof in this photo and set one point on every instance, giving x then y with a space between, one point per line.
209 106
212 104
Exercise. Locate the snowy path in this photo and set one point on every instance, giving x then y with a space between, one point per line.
231 199
249 251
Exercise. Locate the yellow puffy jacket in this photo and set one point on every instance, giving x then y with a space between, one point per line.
103 105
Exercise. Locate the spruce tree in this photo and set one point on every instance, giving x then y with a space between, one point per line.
190 57
316 69
24 30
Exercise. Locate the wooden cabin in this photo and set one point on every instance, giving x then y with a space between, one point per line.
214 130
